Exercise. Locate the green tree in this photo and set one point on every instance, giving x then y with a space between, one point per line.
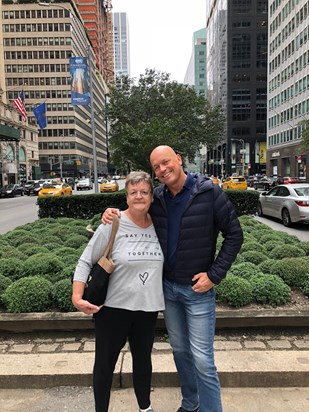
156 111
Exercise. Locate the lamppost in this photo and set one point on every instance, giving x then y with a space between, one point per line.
243 151
88 55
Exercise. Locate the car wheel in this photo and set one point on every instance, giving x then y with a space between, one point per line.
22 194
255 187
286 218
265 187
260 210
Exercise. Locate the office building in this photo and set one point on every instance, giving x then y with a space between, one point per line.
237 80
288 87
38 43
121 44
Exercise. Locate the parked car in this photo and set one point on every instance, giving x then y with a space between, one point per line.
289 202
11 190
289 179
84 184
109 186
55 189
215 180
265 183
234 182
34 189
29 183
116 177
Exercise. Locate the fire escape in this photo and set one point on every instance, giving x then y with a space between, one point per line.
108 59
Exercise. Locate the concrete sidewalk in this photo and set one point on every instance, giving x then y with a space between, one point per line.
272 358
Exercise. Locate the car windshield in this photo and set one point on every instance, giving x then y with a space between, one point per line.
302 191
51 186
239 179
9 187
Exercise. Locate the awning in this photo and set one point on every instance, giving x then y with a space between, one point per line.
9 134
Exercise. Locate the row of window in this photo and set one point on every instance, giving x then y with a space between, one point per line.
37 68
35 14
246 131
300 63
38 81
300 40
286 136
30 55
36 28
290 92
37 41
300 16
245 6
286 115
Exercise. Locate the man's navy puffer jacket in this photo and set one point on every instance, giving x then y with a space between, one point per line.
207 213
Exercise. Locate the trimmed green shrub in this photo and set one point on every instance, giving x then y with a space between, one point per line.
59 231
50 239
67 272
64 250
271 244
270 289
46 265
75 241
235 291
30 249
283 251
29 294
260 231
288 239
270 236
253 246
305 247
292 270
70 259
62 295
245 270
253 256
5 282
15 236
11 268
266 265
51 246
12 252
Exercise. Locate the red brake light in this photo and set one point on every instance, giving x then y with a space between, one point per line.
302 203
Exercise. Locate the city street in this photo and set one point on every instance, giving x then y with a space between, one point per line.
23 209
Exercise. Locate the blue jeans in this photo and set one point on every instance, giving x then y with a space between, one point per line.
190 321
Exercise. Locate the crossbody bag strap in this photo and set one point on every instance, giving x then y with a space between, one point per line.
109 247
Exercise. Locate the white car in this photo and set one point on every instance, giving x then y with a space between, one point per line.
289 202
84 184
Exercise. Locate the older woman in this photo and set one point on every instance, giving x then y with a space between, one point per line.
134 294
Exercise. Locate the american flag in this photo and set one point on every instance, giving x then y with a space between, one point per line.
20 105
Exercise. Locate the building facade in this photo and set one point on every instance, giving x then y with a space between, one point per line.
97 18
38 43
121 44
288 87
237 80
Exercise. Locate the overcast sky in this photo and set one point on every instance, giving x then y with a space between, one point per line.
161 33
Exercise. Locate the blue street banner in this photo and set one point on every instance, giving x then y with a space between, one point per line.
79 81
40 114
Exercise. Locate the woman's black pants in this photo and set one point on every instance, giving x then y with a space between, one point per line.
112 329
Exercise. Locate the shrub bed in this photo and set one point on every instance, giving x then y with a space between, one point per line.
58 243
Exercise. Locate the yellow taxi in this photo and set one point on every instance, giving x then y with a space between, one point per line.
109 186
55 189
215 180
234 182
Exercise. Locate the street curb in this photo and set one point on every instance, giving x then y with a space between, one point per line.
235 369
57 321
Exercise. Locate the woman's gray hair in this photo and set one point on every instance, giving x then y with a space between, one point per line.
137 177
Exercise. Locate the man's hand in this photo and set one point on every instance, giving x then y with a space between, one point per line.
203 283
107 216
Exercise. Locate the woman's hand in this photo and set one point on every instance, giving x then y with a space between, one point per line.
85 306
80 303
107 216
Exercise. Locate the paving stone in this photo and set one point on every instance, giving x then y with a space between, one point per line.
279 344
71 347
162 346
254 344
301 344
65 340
40 340
22 348
227 345
47 348
89 347
3 348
